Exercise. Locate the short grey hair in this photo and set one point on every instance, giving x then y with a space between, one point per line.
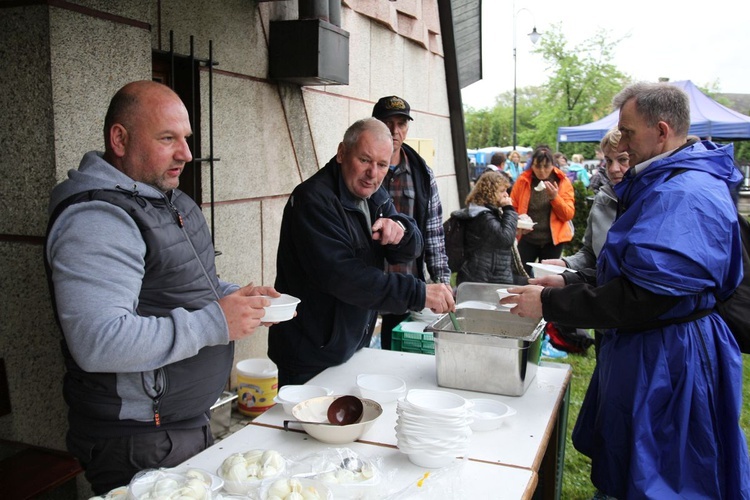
372 125
658 102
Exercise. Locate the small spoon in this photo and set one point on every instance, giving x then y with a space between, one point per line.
352 464
345 410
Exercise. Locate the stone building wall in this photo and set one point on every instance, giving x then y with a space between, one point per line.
64 61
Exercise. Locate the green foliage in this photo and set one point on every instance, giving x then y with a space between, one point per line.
742 152
494 126
577 467
580 219
580 90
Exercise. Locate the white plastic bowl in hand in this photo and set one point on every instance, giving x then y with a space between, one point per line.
291 395
281 308
381 388
540 270
489 414
525 222
502 293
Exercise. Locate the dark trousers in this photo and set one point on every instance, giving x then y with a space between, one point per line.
288 377
530 252
110 463
390 321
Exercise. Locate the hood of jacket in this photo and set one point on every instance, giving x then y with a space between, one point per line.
470 211
95 172
705 156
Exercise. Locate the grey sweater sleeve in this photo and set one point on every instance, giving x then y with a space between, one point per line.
96 253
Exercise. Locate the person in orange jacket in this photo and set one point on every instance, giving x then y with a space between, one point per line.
546 195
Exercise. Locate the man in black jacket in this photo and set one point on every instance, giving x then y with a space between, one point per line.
411 184
338 229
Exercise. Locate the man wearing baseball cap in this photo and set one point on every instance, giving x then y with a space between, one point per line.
412 186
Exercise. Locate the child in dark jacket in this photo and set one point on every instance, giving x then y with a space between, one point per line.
490 232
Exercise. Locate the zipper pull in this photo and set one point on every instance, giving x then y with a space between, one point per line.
157 418
177 215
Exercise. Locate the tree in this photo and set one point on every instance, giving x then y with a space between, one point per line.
580 89
582 83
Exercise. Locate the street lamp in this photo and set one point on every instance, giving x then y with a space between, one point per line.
534 36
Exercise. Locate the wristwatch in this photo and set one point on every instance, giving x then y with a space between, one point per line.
401 224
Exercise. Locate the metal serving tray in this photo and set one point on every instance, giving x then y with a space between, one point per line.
494 351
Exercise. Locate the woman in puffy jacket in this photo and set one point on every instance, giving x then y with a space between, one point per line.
490 230
546 194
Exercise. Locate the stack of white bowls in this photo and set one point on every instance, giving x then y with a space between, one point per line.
433 427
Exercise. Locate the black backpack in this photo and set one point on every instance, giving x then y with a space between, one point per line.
736 309
454 242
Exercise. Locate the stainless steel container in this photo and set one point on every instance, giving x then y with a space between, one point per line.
221 415
494 351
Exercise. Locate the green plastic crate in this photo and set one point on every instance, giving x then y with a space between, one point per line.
423 343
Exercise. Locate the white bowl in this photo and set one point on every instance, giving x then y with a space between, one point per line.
430 460
444 403
489 414
413 326
316 409
426 315
540 270
281 308
502 293
477 304
291 395
381 388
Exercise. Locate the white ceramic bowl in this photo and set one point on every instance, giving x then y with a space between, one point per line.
489 414
281 308
381 388
291 395
316 409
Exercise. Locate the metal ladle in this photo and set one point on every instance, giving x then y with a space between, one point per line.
345 410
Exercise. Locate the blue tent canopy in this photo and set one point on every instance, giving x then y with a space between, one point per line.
708 119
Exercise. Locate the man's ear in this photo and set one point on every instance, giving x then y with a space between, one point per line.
118 139
340 152
663 128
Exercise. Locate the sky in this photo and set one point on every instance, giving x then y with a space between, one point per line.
709 45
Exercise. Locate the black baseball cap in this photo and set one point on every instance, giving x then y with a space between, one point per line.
390 106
